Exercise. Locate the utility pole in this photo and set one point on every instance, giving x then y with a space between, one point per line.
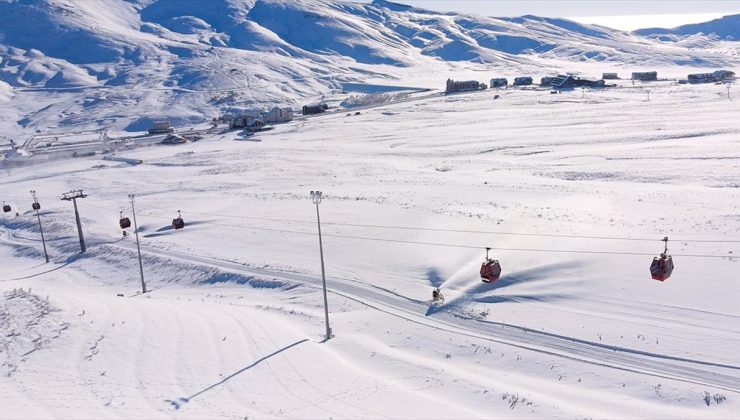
316 198
648 94
138 247
73 196
36 206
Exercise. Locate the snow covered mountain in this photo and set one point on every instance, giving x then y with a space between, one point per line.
114 63
726 28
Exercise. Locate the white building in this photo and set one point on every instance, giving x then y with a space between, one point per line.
278 115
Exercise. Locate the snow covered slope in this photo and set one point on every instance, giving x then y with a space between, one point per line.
94 64
573 191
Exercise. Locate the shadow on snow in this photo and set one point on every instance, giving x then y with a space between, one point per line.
179 402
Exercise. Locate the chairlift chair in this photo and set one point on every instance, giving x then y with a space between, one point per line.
662 266
36 206
6 208
124 222
490 270
177 222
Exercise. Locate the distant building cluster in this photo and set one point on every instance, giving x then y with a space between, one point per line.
258 120
714 77
570 81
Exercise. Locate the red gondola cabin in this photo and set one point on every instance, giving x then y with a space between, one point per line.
124 223
177 222
662 266
490 270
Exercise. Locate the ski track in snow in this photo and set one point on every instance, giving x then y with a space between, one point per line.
522 337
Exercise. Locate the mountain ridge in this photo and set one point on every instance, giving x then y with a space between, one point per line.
726 28
189 60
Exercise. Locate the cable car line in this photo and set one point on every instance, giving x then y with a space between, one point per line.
487 232
523 249
461 246
440 244
418 228
547 235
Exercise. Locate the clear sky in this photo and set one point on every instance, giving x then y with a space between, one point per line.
618 14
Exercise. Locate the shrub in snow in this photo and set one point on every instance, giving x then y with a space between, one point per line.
514 399
717 398
29 324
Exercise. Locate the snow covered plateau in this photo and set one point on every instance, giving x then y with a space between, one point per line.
573 191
